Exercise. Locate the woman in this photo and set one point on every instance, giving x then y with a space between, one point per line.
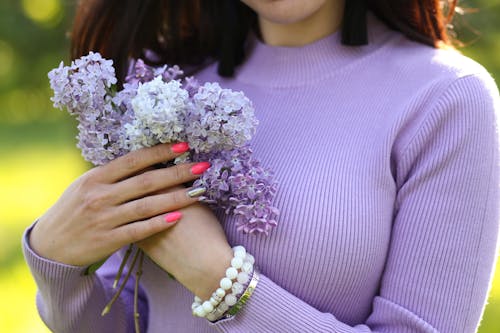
386 156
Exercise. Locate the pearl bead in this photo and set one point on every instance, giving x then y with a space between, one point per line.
231 273
230 300
226 283
243 277
207 307
247 267
237 288
237 262
220 292
226 296
238 248
211 316
250 258
199 311
240 254
223 307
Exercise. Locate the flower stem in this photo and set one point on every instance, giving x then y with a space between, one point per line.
117 294
138 274
122 265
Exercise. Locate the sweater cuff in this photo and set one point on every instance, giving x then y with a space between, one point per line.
268 308
47 270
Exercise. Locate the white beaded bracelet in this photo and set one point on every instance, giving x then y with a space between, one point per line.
236 279
244 297
232 299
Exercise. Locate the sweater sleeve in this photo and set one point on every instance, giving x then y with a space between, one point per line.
70 301
444 236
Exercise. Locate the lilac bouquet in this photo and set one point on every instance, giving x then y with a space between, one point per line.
157 105
160 105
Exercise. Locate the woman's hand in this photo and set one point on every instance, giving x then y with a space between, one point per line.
195 251
113 205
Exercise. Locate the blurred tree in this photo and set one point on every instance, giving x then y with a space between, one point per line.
32 41
479 30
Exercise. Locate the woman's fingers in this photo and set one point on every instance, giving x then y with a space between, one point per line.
139 160
137 231
156 180
153 205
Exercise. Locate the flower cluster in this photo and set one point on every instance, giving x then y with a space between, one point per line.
219 119
158 105
238 183
85 89
159 114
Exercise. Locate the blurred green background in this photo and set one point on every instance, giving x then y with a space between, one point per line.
38 158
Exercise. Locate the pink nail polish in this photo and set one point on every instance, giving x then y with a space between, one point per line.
180 147
172 217
200 168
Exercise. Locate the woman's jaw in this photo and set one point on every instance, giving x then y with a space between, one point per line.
296 22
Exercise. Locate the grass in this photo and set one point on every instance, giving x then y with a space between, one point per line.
38 162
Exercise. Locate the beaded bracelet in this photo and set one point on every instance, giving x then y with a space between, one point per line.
244 298
230 300
221 300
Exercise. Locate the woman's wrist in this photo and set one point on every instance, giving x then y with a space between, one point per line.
234 289
209 279
37 240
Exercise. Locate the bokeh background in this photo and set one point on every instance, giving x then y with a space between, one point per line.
38 157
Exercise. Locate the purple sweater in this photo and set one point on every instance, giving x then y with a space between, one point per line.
387 160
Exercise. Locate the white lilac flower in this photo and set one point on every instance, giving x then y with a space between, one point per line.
219 119
159 111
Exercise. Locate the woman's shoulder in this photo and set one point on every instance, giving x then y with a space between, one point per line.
431 76
444 64
436 85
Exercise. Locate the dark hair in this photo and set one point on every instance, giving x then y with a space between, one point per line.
189 32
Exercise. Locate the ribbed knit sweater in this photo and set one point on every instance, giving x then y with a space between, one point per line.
386 157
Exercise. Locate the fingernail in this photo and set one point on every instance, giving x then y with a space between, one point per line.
196 192
172 217
200 168
180 147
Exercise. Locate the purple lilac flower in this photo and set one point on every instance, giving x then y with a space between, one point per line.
191 85
238 184
122 101
84 85
219 119
169 73
100 136
84 88
140 72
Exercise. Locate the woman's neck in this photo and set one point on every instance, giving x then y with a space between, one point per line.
320 24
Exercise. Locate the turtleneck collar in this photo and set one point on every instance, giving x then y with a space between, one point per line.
282 66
